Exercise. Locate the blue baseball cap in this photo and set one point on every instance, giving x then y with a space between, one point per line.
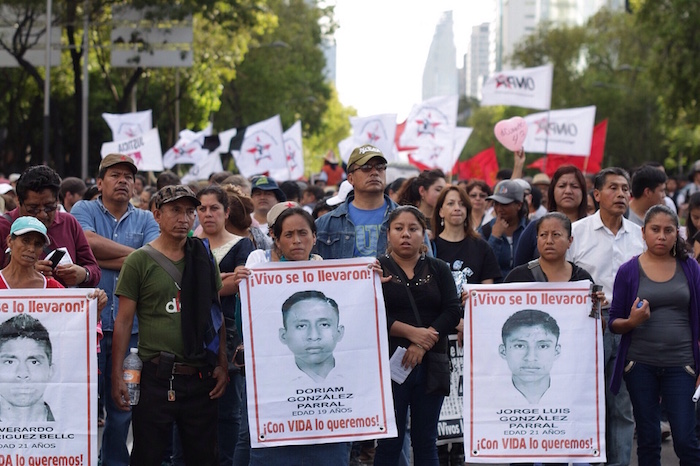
24 225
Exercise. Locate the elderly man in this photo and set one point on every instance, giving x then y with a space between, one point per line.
37 193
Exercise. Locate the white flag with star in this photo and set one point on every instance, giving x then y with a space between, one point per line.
565 132
294 153
431 124
261 149
128 125
189 148
527 87
377 130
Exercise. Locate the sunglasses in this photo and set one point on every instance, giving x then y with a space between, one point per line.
366 168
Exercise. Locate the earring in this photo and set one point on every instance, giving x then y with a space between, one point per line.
673 250
442 222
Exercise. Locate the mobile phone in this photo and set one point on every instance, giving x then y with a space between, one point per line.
56 258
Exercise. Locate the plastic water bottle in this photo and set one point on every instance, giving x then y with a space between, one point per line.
132 375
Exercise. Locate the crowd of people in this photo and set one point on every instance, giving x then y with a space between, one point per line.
160 252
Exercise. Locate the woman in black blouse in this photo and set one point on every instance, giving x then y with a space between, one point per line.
419 323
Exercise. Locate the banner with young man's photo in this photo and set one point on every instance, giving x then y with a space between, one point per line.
316 353
48 377
535 384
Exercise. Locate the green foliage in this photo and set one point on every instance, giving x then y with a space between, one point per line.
605 63
282 72
335 126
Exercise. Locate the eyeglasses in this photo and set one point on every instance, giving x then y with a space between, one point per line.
478 196
366 168
35 209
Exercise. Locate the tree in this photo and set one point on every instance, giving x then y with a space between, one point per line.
222 29
605 63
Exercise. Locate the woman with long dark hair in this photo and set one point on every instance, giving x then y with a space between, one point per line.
422 308
656 308
422 191
566 194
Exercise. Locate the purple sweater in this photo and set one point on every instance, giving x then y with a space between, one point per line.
624 294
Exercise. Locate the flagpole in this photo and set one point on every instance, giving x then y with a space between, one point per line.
585 164
546 144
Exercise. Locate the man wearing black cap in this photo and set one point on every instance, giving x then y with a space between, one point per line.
265 193
357 227
172 285
114 229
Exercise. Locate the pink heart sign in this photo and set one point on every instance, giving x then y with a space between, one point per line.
511 133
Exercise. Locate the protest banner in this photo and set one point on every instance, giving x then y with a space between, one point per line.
534 362
144 149
128 125
527 87
48 377
451 425
319 373
566 132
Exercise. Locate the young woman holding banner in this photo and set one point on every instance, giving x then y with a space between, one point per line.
294 235
657 310
422 308
553 236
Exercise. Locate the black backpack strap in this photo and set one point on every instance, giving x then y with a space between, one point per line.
534 266
165 263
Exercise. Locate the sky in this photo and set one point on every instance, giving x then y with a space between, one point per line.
382 47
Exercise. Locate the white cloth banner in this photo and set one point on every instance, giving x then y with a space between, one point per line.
527 87
565 132
345 148
377 130
204 168
128 125
144 149
294 154
333 386
188 149
435 155
431 123
537 388
60 387
262 149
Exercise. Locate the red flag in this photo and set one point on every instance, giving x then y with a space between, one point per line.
483 166
590 164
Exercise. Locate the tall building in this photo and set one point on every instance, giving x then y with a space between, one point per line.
516 19
440 72
477 65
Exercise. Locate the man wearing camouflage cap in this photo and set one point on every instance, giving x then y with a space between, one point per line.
114 229
172 285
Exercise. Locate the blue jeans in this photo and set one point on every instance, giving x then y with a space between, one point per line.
241 455
674 386
114 451
425 412
230 418
619 423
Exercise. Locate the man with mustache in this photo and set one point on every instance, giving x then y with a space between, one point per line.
114 228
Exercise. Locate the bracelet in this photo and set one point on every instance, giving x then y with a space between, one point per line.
87 276
419 346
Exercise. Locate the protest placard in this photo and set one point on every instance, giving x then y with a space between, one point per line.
535 381
316 351
451 425
48 377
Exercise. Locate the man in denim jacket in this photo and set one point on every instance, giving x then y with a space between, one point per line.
357 228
